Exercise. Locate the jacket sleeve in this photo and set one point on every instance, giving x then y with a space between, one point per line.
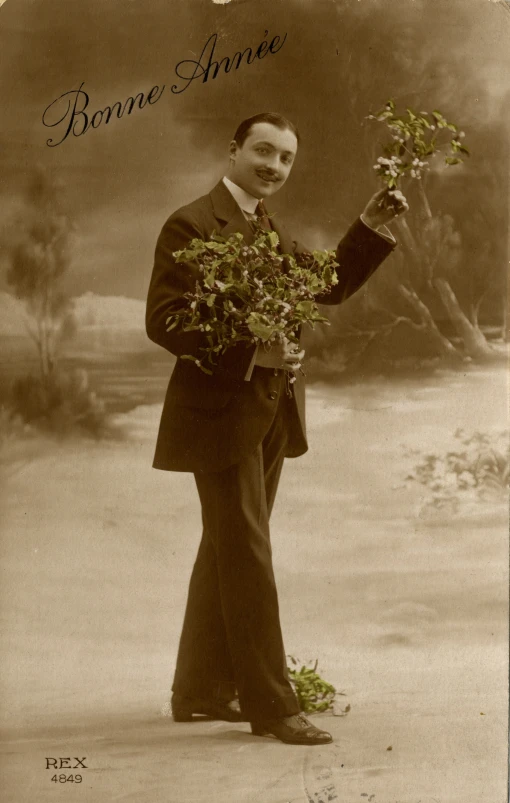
359 253
169 282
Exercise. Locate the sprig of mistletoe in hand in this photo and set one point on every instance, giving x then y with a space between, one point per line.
416 138
250 293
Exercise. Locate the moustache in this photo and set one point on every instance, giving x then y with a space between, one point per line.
266 174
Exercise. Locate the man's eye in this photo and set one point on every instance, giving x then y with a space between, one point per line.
262 150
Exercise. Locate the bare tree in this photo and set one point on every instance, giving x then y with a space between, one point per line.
434 251
39 258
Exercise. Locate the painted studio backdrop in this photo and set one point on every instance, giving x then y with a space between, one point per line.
390 534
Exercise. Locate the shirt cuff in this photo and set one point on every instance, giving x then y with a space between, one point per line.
383 231
251 366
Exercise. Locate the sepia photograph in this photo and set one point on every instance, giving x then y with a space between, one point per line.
254 441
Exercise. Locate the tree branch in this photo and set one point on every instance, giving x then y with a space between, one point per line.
386 327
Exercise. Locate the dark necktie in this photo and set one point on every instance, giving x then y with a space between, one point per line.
262 216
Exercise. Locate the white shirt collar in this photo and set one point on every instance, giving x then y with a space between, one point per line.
247 202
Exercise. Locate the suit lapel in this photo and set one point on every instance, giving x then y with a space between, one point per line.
238 223
286 242
229 214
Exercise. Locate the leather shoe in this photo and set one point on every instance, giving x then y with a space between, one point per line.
184 708
292 730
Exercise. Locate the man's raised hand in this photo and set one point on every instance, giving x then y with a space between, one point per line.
384 206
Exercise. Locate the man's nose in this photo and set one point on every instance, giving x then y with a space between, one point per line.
272 162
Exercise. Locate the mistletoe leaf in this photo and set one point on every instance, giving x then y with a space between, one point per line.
258 327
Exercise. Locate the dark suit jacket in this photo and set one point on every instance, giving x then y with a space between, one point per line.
210 422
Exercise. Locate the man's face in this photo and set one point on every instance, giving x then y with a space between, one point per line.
263 162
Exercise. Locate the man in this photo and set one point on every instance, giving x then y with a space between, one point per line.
233 430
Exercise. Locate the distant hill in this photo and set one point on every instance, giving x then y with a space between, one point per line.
90 310
105 311
102 322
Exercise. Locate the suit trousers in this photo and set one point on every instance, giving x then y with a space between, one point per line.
231 638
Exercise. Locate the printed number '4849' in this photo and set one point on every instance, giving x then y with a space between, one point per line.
62 778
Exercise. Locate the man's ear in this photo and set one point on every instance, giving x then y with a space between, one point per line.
232 149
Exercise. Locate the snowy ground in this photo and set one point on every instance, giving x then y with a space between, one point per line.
407 613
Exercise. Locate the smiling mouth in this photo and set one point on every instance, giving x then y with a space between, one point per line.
267 177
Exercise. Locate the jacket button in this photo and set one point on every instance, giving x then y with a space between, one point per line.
273 395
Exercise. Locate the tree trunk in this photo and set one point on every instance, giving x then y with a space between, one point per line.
505 325
41 349
473 313
408 237
427 212
441 343
475 343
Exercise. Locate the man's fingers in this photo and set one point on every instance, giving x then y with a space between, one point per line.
397 202
293 362
379 194
294 356
397 195
291 357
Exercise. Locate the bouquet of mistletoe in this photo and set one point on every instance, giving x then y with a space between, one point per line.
250 293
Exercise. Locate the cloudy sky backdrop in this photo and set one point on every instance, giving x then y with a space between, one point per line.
341 60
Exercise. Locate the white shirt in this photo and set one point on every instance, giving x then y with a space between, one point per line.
247 202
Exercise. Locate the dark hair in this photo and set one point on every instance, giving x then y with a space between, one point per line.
273 118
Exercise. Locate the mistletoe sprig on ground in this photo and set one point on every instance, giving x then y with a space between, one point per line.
250 293
417 137
314 694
